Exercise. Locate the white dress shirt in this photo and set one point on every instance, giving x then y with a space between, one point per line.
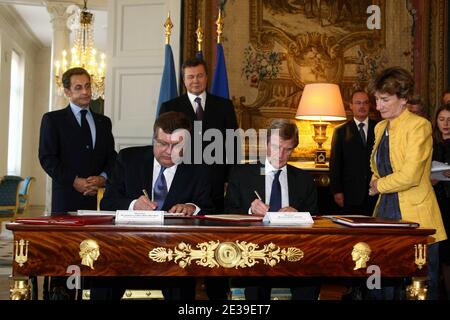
169 174
366 125
194 104
270 172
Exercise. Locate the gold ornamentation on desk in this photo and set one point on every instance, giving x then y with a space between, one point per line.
89 252
418 289
239 254
361 255
20 290
21 253
420 255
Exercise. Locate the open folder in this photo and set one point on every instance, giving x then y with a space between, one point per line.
373 222
66 220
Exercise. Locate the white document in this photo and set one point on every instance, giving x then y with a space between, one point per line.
93 213
437 171
289 218
139 217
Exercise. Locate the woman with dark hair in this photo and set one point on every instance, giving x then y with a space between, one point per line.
441 152
401 165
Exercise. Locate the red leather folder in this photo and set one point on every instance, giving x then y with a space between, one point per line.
66 220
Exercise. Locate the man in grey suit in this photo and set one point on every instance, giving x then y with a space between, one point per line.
282 188
349 160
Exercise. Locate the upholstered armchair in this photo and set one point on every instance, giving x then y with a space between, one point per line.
9 197
24 194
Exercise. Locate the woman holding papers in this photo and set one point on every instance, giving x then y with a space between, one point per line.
401 164
441 153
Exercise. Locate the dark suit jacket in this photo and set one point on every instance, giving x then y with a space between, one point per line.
219 114
245 179
134 171
63 156
350 162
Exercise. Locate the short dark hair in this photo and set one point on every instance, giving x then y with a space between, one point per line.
357 91
395 80
437 134
73 72
417 100
190 63
171 121
287 130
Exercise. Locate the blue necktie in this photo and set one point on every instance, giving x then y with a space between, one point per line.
275 195
199 109
160 189
86 130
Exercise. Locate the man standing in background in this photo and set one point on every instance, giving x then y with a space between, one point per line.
349 159
76 149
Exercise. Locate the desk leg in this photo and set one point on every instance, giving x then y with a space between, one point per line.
20 289
417 290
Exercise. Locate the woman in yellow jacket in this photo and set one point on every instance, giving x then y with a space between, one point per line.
401 163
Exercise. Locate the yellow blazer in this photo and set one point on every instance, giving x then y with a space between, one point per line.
410 151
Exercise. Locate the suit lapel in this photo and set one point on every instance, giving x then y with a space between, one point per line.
187 109
260 181
178 187
147 171
370 133
71 120
291 186
355 133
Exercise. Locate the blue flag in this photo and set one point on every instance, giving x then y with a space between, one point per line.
200 55
169 89
219 85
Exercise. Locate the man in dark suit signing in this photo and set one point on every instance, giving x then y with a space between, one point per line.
349 159
76 149
212 112
170 185
282 188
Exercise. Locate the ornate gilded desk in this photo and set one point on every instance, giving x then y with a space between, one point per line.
199 247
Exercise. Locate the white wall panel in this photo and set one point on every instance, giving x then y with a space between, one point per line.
135 64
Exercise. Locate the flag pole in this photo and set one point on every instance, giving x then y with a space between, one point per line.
168 25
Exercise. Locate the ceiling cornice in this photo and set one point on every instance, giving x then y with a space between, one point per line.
92 4
14 19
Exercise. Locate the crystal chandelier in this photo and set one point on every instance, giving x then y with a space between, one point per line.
83 54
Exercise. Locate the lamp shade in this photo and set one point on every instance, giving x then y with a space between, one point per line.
321 101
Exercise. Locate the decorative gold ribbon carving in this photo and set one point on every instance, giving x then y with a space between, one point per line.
21 253
420 255
239 254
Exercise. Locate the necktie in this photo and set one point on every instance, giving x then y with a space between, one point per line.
86 130
275 195
361 132
199 110
160 189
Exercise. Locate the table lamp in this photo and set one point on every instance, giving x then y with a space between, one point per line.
321 102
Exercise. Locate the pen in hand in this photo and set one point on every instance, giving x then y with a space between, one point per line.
146 194
257 194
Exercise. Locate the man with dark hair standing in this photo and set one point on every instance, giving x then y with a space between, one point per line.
76 148
349 160
212 111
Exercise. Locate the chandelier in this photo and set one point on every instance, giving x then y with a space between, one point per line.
83 53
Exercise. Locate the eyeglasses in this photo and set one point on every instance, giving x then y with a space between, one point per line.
164 145
360 103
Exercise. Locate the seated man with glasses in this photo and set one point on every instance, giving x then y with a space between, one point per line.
170 185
